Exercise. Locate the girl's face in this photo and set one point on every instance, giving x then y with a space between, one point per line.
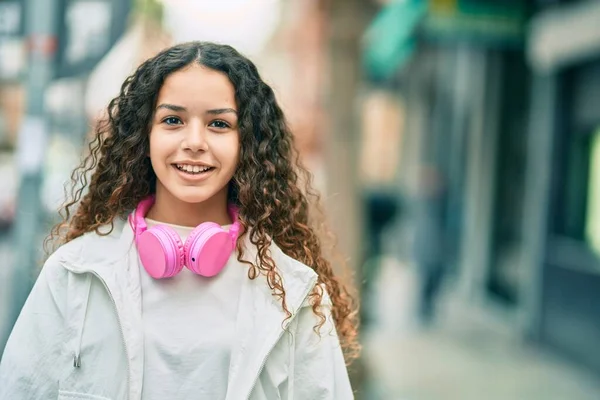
194 139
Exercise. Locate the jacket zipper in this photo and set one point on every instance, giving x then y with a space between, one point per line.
118 318
265 358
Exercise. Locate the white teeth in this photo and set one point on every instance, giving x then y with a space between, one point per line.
192 169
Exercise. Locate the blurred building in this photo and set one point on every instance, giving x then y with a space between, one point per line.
501 99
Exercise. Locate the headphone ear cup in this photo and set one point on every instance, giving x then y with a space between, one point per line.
208 249
161 252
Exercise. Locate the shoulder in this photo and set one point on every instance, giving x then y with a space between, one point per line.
292 269
91 247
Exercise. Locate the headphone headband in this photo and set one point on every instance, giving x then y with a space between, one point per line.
138 221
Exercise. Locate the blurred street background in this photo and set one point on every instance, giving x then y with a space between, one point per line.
456 144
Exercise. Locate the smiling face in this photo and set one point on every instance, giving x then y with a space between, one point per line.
194 138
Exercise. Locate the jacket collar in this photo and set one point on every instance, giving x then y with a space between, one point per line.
113 258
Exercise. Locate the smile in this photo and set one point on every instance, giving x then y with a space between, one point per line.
193 174
193 169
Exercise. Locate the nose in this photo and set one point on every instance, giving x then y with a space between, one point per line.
195 139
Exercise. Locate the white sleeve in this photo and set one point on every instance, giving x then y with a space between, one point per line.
319 368
28 369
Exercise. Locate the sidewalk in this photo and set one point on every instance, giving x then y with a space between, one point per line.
463 357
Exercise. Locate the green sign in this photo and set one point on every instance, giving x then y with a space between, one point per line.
389 40
492 21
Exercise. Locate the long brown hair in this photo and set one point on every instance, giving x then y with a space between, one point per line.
117 174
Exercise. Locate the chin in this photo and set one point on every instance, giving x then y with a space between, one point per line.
192 198
193 195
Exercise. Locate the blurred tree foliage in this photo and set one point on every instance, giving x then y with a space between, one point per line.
148 10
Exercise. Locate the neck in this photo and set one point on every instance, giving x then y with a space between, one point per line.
171 210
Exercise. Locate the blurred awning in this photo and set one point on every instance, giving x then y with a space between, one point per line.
564 35
388 41
488 23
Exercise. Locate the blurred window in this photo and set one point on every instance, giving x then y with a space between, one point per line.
576 213
592 220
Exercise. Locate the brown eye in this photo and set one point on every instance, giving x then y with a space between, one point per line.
219 124
172 121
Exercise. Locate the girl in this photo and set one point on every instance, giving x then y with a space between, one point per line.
188 269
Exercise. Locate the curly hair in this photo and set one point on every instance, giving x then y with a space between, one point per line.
270 186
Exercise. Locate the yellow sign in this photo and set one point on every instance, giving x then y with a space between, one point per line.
443 6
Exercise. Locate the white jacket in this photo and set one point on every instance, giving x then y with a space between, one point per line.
79 335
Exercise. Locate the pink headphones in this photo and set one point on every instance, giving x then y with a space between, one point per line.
163 255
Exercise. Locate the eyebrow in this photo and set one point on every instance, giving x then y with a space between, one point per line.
221 111
172 107
177 108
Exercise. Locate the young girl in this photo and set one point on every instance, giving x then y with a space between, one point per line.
188 270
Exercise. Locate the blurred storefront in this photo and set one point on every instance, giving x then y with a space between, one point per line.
564 51
501 101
